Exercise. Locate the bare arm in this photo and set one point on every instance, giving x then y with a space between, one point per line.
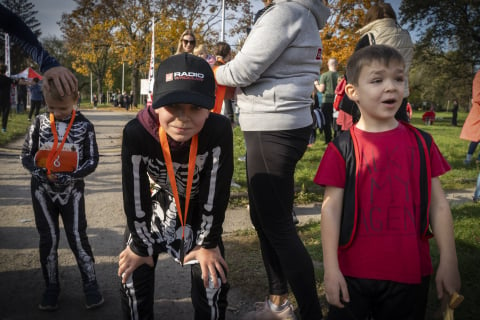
448 278
335 285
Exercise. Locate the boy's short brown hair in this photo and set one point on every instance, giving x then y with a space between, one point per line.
368 55
53 92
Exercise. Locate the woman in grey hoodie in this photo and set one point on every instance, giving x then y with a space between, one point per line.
275 70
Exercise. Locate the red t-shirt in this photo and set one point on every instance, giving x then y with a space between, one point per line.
387 243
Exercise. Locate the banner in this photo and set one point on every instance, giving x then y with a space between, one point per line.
151 72
7 53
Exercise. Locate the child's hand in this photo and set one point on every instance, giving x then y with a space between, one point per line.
211 262
63 178
336 290
40 174
129 261
447 279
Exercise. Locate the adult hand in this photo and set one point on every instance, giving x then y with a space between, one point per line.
211 262
61 76
129 261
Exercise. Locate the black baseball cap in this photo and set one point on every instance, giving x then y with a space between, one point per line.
184 78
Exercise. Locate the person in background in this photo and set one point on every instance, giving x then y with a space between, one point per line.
63 78
201 51
476 194
377 211
5 90
21 96
223 54
381 27
326 85
36 98
59 151
471 126
454 112
276 68
187 42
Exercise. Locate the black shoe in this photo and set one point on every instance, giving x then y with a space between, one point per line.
93 297
49 299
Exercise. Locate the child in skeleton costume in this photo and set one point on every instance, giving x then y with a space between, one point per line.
60 149
177 165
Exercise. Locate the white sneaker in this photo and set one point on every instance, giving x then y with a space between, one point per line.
263 311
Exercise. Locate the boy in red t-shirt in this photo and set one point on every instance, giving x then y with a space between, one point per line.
382 193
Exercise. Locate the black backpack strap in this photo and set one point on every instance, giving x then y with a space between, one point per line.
344 144
424 141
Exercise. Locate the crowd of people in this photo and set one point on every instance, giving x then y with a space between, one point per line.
177 168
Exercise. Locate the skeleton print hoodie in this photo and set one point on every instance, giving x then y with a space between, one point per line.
147 195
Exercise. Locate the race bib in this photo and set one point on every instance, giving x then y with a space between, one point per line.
66 161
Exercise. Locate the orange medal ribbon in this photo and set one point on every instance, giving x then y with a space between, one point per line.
171 176
55 152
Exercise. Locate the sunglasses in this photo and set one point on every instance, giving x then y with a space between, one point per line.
185 42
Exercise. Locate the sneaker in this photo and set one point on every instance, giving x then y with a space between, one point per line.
49 300
295 219
233 184
242 158
93 297
263 311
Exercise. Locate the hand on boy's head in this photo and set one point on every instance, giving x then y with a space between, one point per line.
61 76
211 263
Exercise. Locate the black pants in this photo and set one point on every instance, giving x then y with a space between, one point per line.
383 300
271 160
34 106
327 109
5 112
69 203
137 294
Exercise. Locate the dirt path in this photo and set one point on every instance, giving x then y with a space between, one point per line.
21 282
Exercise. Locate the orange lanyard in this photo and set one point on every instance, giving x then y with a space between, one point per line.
55 152
171 176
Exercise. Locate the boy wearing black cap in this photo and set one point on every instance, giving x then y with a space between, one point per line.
177 165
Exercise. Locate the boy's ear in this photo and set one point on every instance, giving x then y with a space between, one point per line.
351 91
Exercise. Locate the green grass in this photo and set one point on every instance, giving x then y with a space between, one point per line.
244 257
247 272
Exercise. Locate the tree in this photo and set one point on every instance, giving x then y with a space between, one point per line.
88 31
448 52
25 10
338 35
446 26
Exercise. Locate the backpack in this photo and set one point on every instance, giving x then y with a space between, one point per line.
339 93
342 102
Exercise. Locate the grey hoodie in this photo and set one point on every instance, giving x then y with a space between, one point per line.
277 65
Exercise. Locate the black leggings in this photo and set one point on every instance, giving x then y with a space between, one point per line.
271 160
48 206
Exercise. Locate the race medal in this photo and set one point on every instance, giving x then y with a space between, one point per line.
171 176
54 155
